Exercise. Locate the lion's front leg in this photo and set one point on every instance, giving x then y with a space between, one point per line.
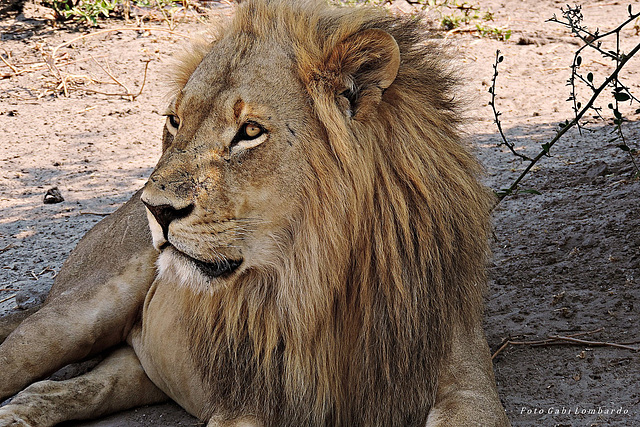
116 384
467 394
93 303
74 325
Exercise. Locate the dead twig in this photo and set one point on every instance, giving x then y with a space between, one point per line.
8 64
8 298
96 213
56 62
127 93
593 343
112 30
47 269
63 79
24 71
107 70
168 20
57 74
30 67
144 78
84 59
568 339
6 248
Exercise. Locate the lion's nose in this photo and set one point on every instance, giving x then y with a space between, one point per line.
164 214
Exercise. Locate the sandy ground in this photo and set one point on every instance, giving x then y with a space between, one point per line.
565 262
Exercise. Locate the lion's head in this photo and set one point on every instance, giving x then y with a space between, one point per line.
319 214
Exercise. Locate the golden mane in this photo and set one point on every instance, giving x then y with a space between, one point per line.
387 254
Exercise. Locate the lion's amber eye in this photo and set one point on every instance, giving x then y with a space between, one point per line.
251 131
249 135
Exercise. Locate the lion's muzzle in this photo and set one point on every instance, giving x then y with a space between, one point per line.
160 218
165 214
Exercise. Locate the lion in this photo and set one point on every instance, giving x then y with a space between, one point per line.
315 250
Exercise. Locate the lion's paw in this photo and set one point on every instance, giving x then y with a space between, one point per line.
8 418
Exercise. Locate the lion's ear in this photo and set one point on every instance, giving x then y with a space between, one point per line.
368 63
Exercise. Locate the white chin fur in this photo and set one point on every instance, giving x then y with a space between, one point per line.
175 268
156 231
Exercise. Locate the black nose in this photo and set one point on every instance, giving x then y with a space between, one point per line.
164 214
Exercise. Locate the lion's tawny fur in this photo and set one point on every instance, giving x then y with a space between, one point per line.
350 321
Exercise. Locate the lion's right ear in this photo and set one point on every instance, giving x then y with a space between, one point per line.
366 63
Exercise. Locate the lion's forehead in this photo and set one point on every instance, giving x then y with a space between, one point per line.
262 73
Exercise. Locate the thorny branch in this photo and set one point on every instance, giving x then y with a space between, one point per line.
620 92
573 18
496 113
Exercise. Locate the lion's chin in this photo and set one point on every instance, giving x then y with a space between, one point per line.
179 267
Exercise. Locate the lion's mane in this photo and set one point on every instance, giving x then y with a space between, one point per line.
350 321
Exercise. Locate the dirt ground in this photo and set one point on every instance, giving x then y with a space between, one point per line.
565 262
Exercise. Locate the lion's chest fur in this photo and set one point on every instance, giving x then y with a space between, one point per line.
187 354
161 343
214 369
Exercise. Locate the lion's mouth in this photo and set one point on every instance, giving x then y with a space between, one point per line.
212 270
216 269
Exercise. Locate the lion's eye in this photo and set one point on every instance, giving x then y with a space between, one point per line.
174 121
250 131
248 136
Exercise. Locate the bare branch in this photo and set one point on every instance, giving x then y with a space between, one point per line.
496 113
568 340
